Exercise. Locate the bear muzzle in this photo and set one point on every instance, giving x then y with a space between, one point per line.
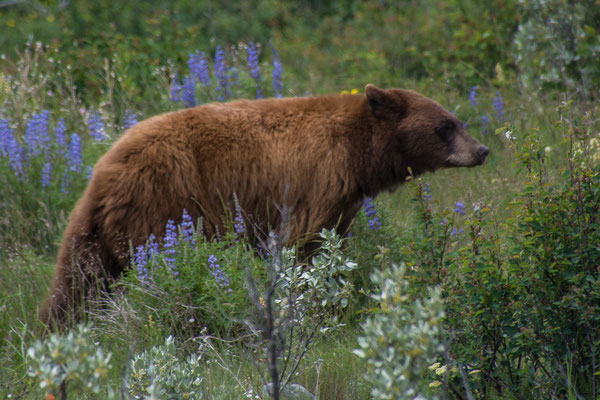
482 154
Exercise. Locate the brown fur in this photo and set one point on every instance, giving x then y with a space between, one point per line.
325 153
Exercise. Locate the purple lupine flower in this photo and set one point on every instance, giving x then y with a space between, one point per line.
485 121
198 64
89 171
473 96
426 191
74 160
238 220
188 91
129 119
16 156
444 221
46 171
59 136
277 75
65 182
37 134
175 89
141 262
187 228
221 74
217 273
169 246
455 232
371 213
5 136
255 68
459 207
152 246
96 126
499 107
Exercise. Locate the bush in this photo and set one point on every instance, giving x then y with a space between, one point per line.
521 295
402 337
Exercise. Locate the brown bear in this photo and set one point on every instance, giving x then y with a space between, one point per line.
318 156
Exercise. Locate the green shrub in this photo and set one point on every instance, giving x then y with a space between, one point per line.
521 295
72 362
402 337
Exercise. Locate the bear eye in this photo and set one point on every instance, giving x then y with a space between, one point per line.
445 129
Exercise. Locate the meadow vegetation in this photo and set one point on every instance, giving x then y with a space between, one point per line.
478 283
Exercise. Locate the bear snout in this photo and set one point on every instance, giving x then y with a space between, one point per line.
482 153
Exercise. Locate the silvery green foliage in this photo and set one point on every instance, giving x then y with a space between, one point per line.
557 43
310 288
401 339
74 361
158 374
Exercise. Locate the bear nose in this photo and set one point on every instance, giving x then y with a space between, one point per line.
482 153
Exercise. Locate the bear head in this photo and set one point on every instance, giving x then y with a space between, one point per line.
417 132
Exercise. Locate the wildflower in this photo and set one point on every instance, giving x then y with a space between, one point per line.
216 271
141 261
473 96
455 232
434 366
16 155
65 182
129 119
499 107
509 135
198 65
175 89
435 384
152 246
485 121
188 91
459 207
5 136
277 73
238 221
96 126
254 67
374 222
59 136
37 133
169 244
187 228
46 174
426 191
88 172
221 74
74 159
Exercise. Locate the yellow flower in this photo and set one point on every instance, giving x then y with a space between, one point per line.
344 92
441 370
354 91
434 366
50 18
435 384
11 23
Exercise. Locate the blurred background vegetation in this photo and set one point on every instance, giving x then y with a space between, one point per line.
324 45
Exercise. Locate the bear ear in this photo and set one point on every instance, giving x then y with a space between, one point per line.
383 104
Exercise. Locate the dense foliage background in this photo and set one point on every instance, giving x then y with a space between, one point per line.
487 282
